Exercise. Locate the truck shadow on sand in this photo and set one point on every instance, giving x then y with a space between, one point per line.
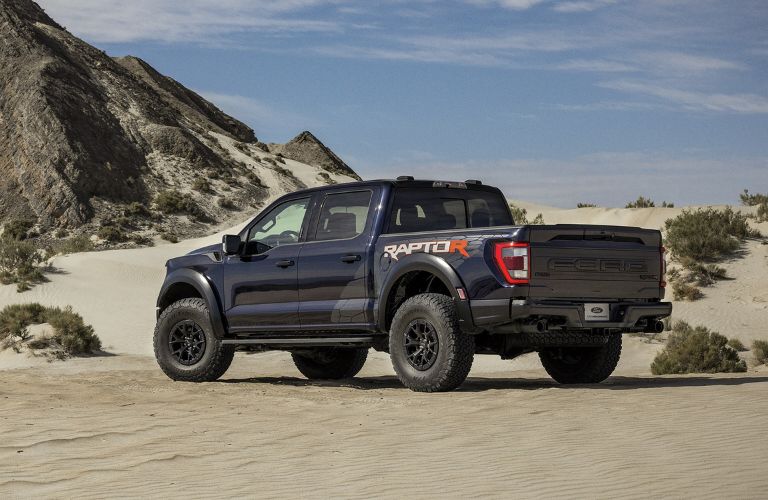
481 384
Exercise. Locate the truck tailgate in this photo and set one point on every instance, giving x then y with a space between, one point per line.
590 262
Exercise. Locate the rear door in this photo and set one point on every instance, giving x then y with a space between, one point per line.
334 292
593 262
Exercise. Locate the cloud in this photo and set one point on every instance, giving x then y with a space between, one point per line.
598 65
611 106
582 6
695 101
679 62
478 50
173 21
508 4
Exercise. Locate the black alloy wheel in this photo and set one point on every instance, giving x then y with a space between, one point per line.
421 344
187 342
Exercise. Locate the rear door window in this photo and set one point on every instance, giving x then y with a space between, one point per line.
420 209
343 215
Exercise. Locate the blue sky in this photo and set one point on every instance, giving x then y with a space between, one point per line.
555 101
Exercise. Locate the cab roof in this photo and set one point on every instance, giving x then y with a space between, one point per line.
409 182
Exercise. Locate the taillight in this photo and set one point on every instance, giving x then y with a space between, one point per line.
663 268
513 259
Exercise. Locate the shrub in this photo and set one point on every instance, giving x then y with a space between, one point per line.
75 244
254 179
737 344
69 329
174 202
585 205
705 274
326 177
283 171
16 317
666 204
140 239
706 234
696 350
19 263
201 184
226 203
760 351
684 291
17 229
762 212
641 202
112 234
673 274
136 209
519 215
753 199
171 237
538 220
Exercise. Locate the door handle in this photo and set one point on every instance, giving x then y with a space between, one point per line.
285 263
351 258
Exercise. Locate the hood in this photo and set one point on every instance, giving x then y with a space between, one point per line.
216 247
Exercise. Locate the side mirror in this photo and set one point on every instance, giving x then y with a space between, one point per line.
231 244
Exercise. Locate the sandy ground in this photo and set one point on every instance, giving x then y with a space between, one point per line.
108 427
115 426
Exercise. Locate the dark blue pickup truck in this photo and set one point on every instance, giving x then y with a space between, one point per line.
432 272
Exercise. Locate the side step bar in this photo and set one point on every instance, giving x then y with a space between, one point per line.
302 341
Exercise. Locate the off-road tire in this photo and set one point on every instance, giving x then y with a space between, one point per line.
582 365
331 363
216 357
455 349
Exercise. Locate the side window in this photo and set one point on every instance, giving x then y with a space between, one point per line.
427 214
281 226
343 215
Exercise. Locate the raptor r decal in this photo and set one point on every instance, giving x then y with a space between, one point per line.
445 246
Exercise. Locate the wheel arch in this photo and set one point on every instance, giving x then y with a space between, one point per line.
421 265
186 283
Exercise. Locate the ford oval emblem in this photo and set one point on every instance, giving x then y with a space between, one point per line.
597 310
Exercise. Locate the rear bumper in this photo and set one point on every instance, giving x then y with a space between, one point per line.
488 314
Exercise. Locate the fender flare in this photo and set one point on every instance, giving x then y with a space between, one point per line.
431 264
203 287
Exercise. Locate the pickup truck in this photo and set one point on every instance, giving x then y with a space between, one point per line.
432 272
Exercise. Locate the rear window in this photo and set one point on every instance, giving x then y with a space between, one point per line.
435 209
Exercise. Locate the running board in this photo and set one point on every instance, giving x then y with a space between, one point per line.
305 341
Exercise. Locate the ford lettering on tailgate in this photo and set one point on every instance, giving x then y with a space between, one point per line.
597 265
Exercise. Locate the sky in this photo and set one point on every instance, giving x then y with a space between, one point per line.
554 101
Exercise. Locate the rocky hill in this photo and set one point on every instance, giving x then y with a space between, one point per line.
87 140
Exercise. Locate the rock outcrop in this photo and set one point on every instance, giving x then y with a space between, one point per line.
83 134
308 149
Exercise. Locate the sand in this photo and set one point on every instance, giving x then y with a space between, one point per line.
115 425
265 432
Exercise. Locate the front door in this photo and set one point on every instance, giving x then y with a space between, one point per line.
333 270
260 284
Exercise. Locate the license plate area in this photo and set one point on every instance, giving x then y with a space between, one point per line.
597 311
